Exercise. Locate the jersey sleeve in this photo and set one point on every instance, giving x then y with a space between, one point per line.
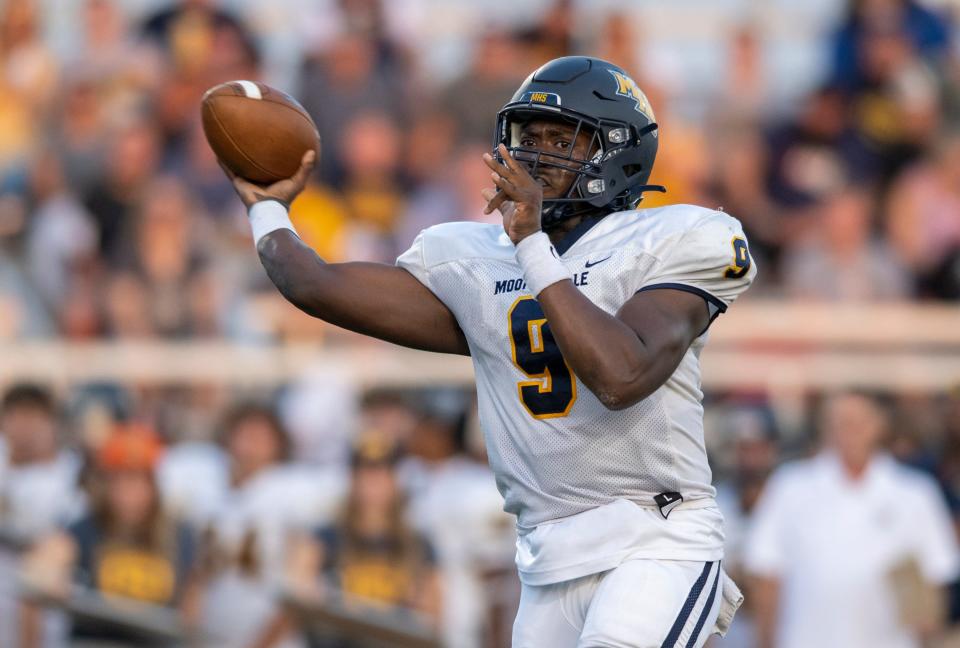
414 262
711 259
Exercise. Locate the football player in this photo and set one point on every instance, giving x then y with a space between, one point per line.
585 319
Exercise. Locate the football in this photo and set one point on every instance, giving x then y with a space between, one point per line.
258 132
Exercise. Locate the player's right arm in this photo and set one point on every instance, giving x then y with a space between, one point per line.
378 300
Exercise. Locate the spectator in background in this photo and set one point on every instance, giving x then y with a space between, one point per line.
125 547
839 260
816 152
196 165
454 502
176 22
116 72
431 138
369 19
28 79
320 408
370 186
496 68
755 452
948 469
926 31
38 486
264 500
370 556
896 106
132 161
200 44
162 285
77 131
746 86
109 52
829 532
431 145
37 475
62 237
193 480
389 413
917 430
347 78
923 219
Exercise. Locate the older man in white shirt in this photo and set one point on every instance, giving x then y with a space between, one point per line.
829 531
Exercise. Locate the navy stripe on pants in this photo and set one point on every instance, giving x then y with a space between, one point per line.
705 612
687 608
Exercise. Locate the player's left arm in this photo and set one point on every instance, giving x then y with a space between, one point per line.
621 358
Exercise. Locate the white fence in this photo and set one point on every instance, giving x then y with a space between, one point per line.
757 345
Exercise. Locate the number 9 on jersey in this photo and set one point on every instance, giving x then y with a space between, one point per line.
552 389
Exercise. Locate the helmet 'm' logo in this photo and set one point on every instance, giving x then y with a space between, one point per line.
627 87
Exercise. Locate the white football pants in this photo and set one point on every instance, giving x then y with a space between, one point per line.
639 604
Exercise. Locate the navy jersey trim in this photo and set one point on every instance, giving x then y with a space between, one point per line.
707 607
677 627
718 303
576 233
715 305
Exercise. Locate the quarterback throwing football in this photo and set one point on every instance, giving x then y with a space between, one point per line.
585 319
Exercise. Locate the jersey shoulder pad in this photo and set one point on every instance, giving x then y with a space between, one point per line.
664 225
465 240
457 241
701 250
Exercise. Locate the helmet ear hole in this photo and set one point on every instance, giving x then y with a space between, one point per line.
631 170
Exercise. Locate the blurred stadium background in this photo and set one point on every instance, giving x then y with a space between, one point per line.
231 473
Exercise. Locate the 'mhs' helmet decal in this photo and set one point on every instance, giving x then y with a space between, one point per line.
548 98
627 87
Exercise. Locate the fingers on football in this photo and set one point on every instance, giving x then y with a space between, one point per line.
306 166
230 174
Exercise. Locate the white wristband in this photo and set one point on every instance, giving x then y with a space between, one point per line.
540 263
268 216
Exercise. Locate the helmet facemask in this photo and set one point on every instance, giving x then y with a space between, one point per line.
597 186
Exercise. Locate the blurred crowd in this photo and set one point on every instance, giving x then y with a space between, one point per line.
115 220
222 529
830 129
241 516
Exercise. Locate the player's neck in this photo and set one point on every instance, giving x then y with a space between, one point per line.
563 228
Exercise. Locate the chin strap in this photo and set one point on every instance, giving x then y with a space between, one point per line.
645 188
555 213
657 188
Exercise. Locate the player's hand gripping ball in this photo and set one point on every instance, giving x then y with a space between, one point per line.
518 197
265 141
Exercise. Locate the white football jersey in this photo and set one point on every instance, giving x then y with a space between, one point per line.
555 449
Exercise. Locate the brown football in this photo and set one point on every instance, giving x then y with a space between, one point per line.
258 132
